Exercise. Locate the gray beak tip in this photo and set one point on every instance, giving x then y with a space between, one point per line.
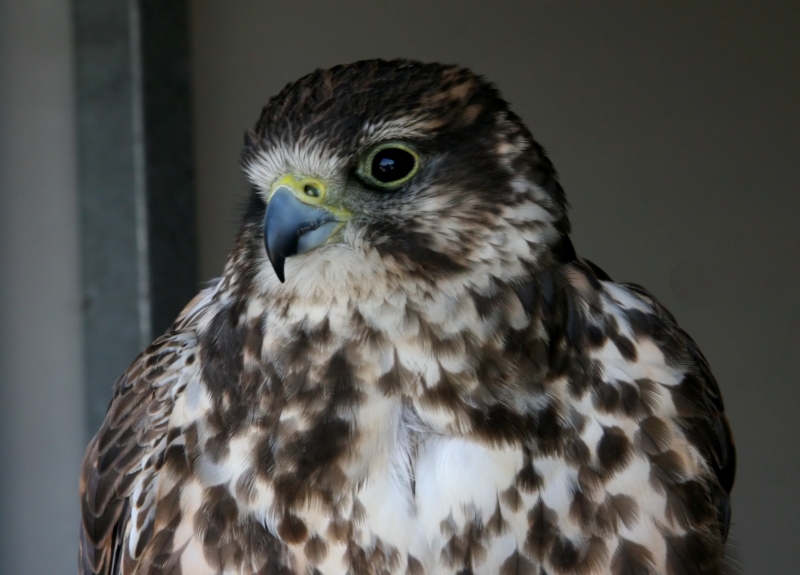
278 267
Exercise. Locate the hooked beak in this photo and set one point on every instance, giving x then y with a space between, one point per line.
298 219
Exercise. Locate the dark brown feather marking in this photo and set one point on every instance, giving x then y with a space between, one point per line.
693 554
315 550
653 436
632 559
292 529
518 564
542 530
613 450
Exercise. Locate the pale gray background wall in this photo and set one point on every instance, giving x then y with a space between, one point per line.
42 427
675 127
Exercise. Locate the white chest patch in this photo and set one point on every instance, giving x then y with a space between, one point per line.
456 487
460 480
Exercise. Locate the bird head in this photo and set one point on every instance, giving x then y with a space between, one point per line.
397 169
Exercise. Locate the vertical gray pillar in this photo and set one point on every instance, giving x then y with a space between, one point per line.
172 240
135 180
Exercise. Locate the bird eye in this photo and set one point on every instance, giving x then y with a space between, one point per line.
389 166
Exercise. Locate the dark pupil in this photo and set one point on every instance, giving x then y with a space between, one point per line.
392 164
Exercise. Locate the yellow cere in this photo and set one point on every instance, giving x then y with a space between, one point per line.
306 189
310 191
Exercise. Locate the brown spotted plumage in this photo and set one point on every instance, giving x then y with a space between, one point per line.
409 371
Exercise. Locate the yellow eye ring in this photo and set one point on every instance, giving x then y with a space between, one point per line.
389 165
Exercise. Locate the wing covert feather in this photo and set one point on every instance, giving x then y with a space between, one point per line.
128 451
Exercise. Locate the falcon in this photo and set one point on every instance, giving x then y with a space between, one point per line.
406 369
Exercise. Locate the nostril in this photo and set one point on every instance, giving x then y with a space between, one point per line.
311 191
